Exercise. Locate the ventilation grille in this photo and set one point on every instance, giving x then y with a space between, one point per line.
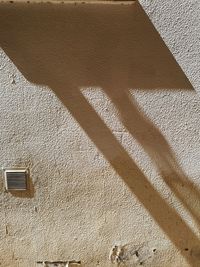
16 179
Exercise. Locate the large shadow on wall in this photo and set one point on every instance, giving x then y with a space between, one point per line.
69 47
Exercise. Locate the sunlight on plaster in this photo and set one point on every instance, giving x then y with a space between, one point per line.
111 117
9 69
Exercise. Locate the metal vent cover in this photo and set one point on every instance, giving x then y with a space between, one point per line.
16 179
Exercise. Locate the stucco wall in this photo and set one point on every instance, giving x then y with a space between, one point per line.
93 102
178 23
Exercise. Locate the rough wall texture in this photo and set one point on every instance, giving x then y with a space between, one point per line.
93 102
178 23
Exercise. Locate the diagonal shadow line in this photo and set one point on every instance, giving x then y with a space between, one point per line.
157 148
166 217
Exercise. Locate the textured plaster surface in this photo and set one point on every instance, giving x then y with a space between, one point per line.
178 23
93 103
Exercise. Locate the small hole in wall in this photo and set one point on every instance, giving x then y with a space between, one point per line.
154 250
186 249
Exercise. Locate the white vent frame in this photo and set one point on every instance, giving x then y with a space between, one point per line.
23 171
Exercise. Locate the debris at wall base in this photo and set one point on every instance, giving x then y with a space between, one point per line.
131 254
59 263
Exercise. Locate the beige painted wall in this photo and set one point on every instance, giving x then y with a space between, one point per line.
94 104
